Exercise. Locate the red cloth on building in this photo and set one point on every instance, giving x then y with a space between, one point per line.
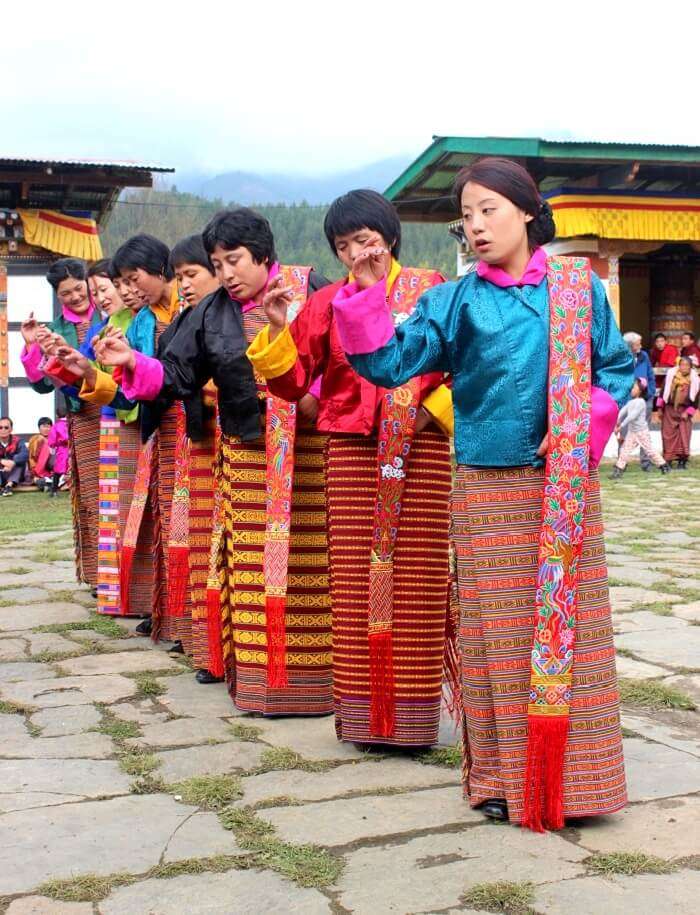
349 403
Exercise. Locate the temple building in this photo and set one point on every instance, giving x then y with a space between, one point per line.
634 210
48 209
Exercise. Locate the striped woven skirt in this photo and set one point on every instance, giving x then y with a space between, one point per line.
84 436
120 445
165 626
496 522
308 624
420 585
200 529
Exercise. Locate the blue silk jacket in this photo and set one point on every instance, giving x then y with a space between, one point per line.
494 342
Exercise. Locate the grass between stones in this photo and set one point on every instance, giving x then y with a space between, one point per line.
86 888
211 792
283 758
448 757
306 865
512 898
138 762
282 800
15 708
218 864
246 732
98 623
18 570
655 695
148 686
627 863
52 552
117 728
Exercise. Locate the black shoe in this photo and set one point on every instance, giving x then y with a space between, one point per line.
495 809
617 473
645 467
682 465
176 648
144 627
205 676
666 468
93 591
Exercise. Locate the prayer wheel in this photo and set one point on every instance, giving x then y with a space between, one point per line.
671 298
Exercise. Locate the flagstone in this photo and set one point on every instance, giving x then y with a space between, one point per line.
27 800
674 643
690 612
627 597
682 734
25 670
13 726
123 662
27 616
42 905
186 697
665 894
40 642
70 691
209 760
72 719
12 649
241 891
74 746
667 828
637 670
81 778
657 771
638 575
314 738
200 836
23 595
340 822
183 732
687 683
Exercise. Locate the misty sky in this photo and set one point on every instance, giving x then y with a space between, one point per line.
311 86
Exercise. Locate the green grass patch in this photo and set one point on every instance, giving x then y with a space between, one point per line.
284 758
306 865
105 625
211 792
28 512
53 657
448 757
627 863
14 708
18 570
218 864
51 552
138 762
247 732
655 695
117 728
688 594
504 896
148 686
617 583
282 800
87 888
149 784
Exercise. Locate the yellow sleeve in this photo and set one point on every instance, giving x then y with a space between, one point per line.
439 404
103 392
273 359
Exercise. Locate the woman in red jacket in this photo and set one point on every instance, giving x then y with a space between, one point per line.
388 482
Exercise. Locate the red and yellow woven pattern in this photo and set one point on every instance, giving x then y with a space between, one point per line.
420 586
496 529
142 573
109 534
165 626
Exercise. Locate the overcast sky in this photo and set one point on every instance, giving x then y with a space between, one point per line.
309 86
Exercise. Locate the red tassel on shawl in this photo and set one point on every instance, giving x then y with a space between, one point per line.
126 561
216 650
382 710
178 579
276 641
544 785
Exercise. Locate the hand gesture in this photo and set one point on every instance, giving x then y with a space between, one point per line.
114 349
308 408
73 360
29 328
51 342
370 265
276 301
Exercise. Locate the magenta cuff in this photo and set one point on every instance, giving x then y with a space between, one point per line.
146 380
362 317
604 412
31 359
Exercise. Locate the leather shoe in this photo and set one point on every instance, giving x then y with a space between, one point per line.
205 676
495 809
144 627
176 648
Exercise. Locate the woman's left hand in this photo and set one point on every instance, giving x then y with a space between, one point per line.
544 446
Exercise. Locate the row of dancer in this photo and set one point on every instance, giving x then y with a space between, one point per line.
327 581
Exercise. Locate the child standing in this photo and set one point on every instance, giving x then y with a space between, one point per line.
632 430
58 443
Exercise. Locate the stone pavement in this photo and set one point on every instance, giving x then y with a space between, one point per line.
125 787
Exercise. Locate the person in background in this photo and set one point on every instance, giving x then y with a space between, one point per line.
663 354
632 430
644 373
13 457
60 453
35 447
678 405
690 348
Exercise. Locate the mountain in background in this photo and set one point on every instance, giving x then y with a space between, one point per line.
251 188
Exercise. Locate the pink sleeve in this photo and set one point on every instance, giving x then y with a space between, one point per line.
315 388
690 411
363 318
31 358
604 412
146 380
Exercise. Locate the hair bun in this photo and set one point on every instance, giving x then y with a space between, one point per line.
541 230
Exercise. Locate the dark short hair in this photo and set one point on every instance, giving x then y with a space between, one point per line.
511 180
190 250
66 268
362 209
101 268
45 421
143 252
688 333
12 425
659 336
241 228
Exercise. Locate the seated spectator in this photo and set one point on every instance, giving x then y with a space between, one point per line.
13 457
632 430
663 354
37 444
690 348
644 373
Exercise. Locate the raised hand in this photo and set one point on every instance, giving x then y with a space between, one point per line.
114 349
276 301
29 328
73 359
371 264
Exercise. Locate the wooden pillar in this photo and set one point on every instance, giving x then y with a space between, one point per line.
672 298
614 285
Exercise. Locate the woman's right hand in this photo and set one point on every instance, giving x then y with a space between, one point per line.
28 329
276 301
113 349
